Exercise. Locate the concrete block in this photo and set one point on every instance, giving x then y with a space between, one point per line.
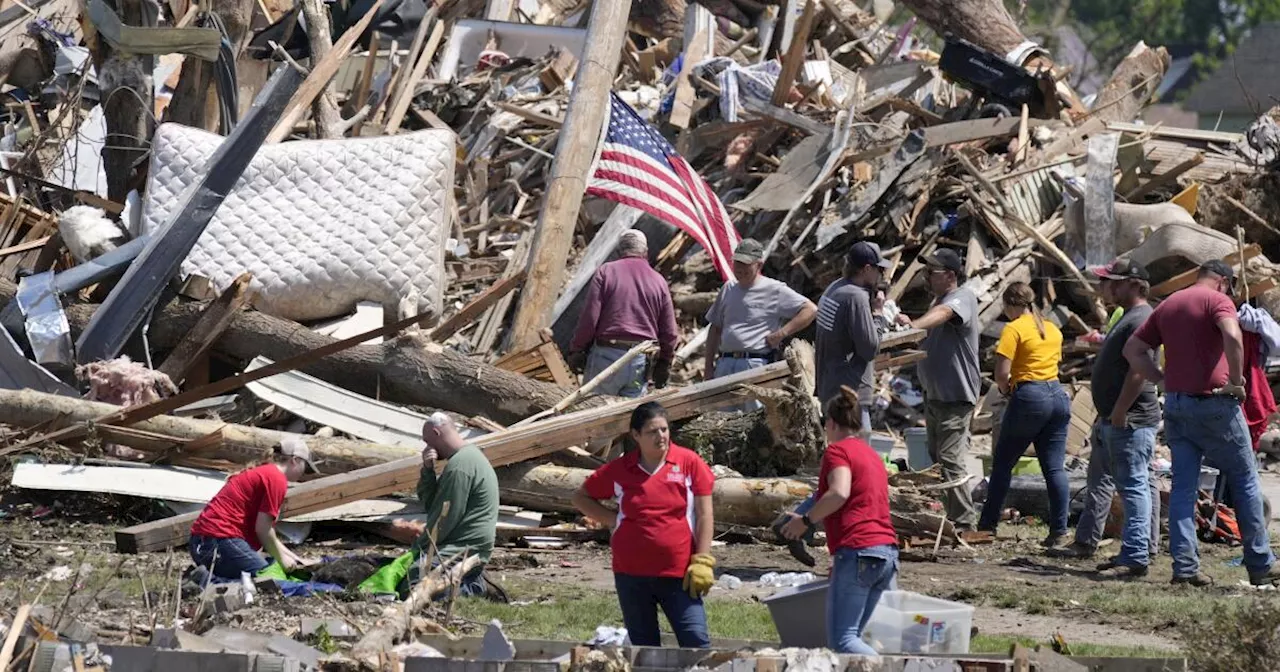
308 657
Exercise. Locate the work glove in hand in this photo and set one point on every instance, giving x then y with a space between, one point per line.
661 373
577 361
699 578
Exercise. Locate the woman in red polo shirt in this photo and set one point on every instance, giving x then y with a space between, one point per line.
661 531
853 507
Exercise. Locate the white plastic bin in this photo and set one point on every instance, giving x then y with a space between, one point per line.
882 443
906 622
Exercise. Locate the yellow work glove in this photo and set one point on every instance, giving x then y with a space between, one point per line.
699 578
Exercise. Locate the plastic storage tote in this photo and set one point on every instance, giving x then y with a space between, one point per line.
906 622
800 615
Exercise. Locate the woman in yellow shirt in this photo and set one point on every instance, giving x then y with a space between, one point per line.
1039 410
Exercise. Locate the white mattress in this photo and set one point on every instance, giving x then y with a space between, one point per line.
321 224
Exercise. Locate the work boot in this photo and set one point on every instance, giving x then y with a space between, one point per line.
1118 571
797 547
1199 580
1054 541
1074 550
1268 578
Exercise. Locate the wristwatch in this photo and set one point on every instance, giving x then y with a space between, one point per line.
807 522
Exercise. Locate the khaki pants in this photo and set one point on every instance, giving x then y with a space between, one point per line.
947 423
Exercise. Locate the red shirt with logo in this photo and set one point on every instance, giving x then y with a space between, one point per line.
232 512
654 535
864 519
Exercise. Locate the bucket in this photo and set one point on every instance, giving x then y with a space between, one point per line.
918 448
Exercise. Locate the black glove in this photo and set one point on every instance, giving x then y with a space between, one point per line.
577 361
661 373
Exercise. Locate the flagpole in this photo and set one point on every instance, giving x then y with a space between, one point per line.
576 150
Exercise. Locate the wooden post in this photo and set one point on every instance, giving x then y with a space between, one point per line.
584 121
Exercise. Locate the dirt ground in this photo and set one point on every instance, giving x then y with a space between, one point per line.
1018 592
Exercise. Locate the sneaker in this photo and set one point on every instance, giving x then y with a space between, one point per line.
1199 580
1268 578
1118 571
1075 550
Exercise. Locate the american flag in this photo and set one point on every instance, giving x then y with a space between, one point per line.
639 168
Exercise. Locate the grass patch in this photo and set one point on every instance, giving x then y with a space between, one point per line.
574 613
1000 644
1144 603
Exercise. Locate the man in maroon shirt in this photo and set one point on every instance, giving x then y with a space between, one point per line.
1204 385
628 303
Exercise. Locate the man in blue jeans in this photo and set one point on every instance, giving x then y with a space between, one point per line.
1204 384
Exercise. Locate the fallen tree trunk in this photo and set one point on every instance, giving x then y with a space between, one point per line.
1132 84
239 444
985 23
409 373
754 502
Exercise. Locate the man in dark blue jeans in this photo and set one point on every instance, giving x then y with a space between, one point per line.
1204 385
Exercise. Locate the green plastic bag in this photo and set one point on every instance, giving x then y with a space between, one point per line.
276 572
386 580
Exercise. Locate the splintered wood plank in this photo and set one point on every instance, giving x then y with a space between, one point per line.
559 369
1188 278
215 320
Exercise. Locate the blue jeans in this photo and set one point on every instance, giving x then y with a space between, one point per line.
233 556
630 381
858 577
1099 491
1214 428
1039 412
727 366
1130 451
640 597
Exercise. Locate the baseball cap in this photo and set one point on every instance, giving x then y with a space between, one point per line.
1121 269
1223 269
945 258
296 447
867 253
749 251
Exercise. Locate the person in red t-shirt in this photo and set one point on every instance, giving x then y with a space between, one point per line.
853 507
661 531
1204 384
240 519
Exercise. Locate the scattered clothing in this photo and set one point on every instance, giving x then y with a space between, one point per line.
628 301
1111 368
745 316
1186 324
1033 357
1261 323
654 534
233 512
1259 403
469 486
630 381
1039 412
947 426
847 342
950 372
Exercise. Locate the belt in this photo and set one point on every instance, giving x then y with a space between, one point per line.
747 355
617 343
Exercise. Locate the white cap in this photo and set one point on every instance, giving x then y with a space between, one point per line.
294 446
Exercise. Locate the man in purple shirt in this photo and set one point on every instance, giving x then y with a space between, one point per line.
628 303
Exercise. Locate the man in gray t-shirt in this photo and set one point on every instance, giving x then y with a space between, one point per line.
847 339
949 374
752 316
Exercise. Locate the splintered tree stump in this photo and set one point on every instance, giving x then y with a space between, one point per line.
985 23
1132 84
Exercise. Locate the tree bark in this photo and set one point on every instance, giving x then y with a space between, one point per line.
985 23
127 103
1132 84
194 99
319 33
754 502
402 370
240 444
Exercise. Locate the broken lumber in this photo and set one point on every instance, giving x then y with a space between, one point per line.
1188 278
501 448
213 321
1132 84
241 444
575 151
397 620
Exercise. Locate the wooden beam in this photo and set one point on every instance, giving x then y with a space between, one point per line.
531 115
694 51
477 306
1188 278
217 316
319 77
584 121
501 448
401 105
794 60
24 247
1168 177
